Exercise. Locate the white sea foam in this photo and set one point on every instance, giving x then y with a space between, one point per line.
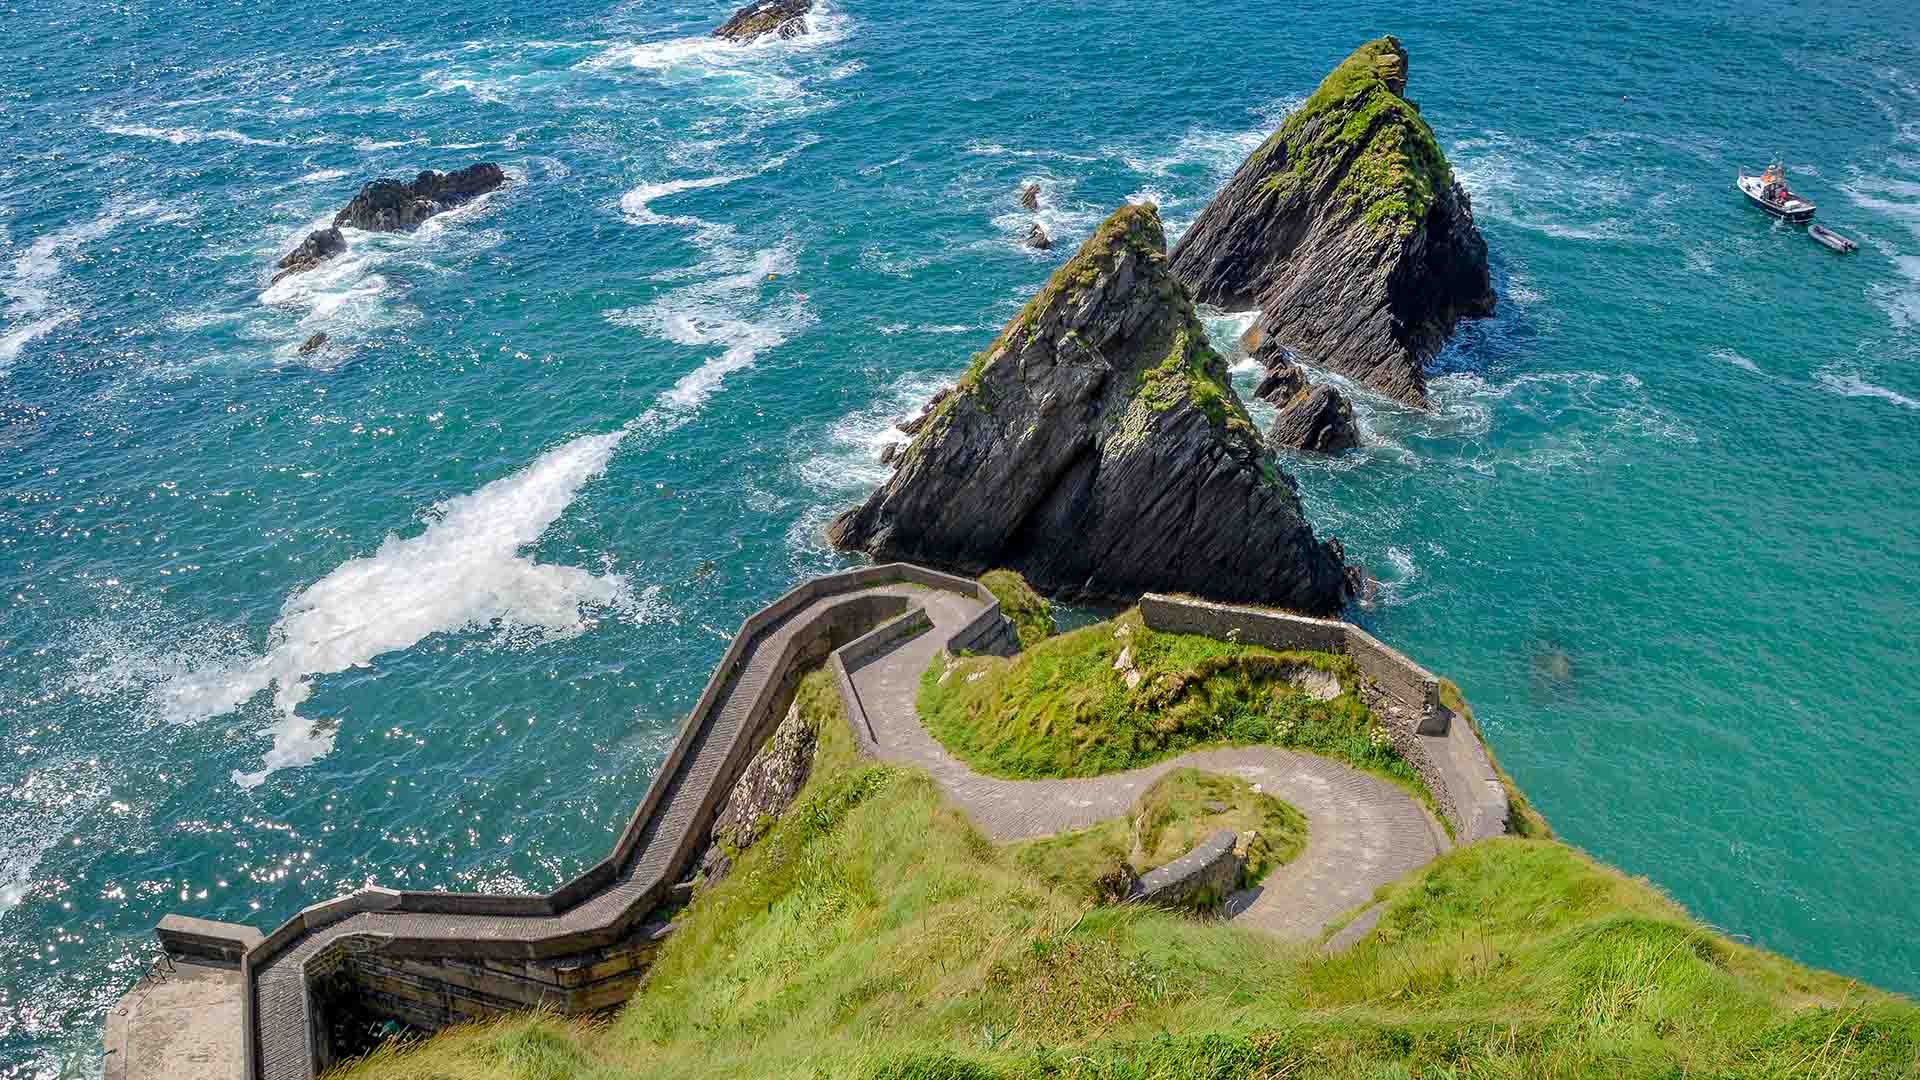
19 337
637 204
704 57
30 285
1734 358
850 461
466 571
37 812
1852 385
321 176
179 136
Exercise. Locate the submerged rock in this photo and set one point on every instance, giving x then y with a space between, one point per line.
787 18
1037 237
313 343
319 246
1030 198
1098 448
1349 232
388 205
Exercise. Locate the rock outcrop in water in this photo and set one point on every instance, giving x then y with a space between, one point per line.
1316 419
319 246
787 18
1037 237
397 206
392 206
1348 231
1098 448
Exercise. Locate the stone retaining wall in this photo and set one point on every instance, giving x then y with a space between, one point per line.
1198 880
435 981
1448 756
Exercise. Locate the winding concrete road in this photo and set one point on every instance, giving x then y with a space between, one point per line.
1363 832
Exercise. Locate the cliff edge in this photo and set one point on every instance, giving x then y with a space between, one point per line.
1349 232
1098 448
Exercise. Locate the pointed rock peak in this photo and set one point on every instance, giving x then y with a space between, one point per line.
1098 448
1348 230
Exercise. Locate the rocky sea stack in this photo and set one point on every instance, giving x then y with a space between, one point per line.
787 18
1349 232
1098 448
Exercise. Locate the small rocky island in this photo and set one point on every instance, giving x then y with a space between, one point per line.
784 18
1348 231
388 205
1098 447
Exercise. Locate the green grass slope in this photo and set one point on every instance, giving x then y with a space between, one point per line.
1063 707
1174 814
875 934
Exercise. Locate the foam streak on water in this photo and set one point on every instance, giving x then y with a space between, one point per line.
467 570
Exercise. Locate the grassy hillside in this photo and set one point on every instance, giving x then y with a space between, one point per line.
1174 814
1031 615
875 934
1065 707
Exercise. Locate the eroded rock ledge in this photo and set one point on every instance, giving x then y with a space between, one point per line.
1097 447
1348 231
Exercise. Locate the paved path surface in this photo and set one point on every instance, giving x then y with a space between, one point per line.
180 1023
1363 832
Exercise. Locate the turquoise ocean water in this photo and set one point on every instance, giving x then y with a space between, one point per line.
423 608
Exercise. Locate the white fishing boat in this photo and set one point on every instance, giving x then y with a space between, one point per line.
1769 192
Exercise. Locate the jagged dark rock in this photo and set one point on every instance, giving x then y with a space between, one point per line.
787 18
1279 385
913 426
1037 237
319 246
1348 231
1030 198
1098 448
313 343
889 452
765 789
387 205
1318 420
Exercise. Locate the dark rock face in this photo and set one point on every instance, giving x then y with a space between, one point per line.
1283 378
394 206
319 246
1279 385
313 343
1030 198
1317 420
1097 447
786 18
765 789
1037 238
1348 231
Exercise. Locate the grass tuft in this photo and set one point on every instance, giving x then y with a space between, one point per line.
1031 615
1174 814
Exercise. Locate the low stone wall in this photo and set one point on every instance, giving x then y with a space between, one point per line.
526 961
1198 880
1448 756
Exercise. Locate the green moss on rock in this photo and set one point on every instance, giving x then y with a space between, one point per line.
1357 122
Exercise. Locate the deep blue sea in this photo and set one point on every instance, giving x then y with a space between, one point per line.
422 608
